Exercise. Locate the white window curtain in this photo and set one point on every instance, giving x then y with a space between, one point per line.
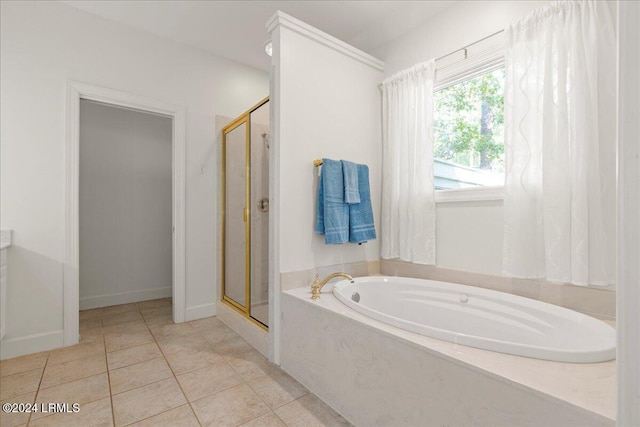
560 142
408 199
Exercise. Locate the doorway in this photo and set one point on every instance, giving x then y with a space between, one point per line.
75 92
125 206
245 218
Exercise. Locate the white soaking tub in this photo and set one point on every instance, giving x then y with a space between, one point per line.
481 318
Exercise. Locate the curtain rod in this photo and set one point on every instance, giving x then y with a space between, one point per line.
464 48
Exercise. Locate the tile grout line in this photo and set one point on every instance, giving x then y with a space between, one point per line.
106 361
248 385
172 372
85 403
219 391
35 398
167 362
126 348
42 378
246 382
57 385
286 403
271 410
104 341
278 416
136 364
79 378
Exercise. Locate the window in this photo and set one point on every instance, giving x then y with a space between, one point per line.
469 132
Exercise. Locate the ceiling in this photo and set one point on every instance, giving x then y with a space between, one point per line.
236 29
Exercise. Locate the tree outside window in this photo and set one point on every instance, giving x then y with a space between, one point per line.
469 132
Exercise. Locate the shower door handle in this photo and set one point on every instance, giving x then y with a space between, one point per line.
263 204
245 214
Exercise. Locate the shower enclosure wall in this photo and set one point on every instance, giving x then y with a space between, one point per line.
245 219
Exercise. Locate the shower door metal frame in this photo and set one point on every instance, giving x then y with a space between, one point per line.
244 118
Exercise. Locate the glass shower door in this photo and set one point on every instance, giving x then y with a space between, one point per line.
235 215
259 119
245 194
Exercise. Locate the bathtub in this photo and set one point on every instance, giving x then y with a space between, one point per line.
377 374
480 318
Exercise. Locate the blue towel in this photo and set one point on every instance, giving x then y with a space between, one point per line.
361 228
332 216
351 190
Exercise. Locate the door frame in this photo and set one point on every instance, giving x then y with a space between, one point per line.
71 287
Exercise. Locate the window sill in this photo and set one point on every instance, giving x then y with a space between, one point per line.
470 194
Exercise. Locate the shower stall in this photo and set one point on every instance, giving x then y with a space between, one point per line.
245 213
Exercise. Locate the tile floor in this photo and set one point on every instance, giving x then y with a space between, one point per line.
134 366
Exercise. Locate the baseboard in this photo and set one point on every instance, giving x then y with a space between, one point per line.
19 346
87 303
200 311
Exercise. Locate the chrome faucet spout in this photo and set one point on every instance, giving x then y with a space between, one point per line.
317 284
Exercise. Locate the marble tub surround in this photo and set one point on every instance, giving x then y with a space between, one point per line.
302 278
144 370
375 374
589 300
5 238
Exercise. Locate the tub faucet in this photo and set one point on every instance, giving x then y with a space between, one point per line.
318 284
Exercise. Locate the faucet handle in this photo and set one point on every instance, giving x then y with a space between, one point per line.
315 288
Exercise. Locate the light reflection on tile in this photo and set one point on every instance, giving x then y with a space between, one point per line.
181 416
73 370
132 355
23 364
140 403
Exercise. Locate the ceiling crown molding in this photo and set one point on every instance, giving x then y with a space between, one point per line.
281 19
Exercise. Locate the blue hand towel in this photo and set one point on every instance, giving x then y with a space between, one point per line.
361 227
351 190
332 216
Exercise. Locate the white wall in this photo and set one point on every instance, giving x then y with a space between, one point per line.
46 44
324 103
462 24
329 108
469 234
125 205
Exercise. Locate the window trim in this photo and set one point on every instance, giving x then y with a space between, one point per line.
449 77
474 194
482 58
